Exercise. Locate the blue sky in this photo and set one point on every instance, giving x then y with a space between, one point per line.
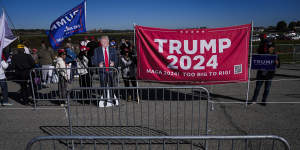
121 14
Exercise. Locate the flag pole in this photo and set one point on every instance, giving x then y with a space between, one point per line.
85 13
137 82
134 35
249 70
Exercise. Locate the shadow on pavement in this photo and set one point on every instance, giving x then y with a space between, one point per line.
287 76
227 97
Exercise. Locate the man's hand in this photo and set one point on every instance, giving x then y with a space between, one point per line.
101 64
112 63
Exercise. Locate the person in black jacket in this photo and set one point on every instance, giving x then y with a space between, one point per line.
128 68
23 63
92 45
265 76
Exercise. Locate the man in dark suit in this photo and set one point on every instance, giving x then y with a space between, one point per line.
105 57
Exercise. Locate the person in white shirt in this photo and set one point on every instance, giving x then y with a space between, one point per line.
26 50
62 74
85 42
83 70
3 83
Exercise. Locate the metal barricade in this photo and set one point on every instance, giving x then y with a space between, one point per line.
160 111
296 53
49 87
255 142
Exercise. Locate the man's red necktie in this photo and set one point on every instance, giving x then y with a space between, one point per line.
106 59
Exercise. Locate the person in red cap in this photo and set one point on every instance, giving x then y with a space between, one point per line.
35 56
92 38
83 71
60 51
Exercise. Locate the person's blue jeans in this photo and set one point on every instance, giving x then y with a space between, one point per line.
259 84
4 89
73 71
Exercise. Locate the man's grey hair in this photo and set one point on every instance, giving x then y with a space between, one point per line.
105 37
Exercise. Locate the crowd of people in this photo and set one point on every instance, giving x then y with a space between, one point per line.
63 65
78 58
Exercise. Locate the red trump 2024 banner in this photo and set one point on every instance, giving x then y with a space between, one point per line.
193 55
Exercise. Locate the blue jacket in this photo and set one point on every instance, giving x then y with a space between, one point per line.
71 56
98 56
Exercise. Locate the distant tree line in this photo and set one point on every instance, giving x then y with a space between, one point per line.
21 32
283 26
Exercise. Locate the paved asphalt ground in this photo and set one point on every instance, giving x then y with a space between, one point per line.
19 124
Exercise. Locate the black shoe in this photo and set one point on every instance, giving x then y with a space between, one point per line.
263 104
26 103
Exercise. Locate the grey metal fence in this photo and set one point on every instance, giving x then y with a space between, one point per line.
47 84
262 142
177 110
111 111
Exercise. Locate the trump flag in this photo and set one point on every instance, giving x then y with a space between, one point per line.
193 55
264 62
72 22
